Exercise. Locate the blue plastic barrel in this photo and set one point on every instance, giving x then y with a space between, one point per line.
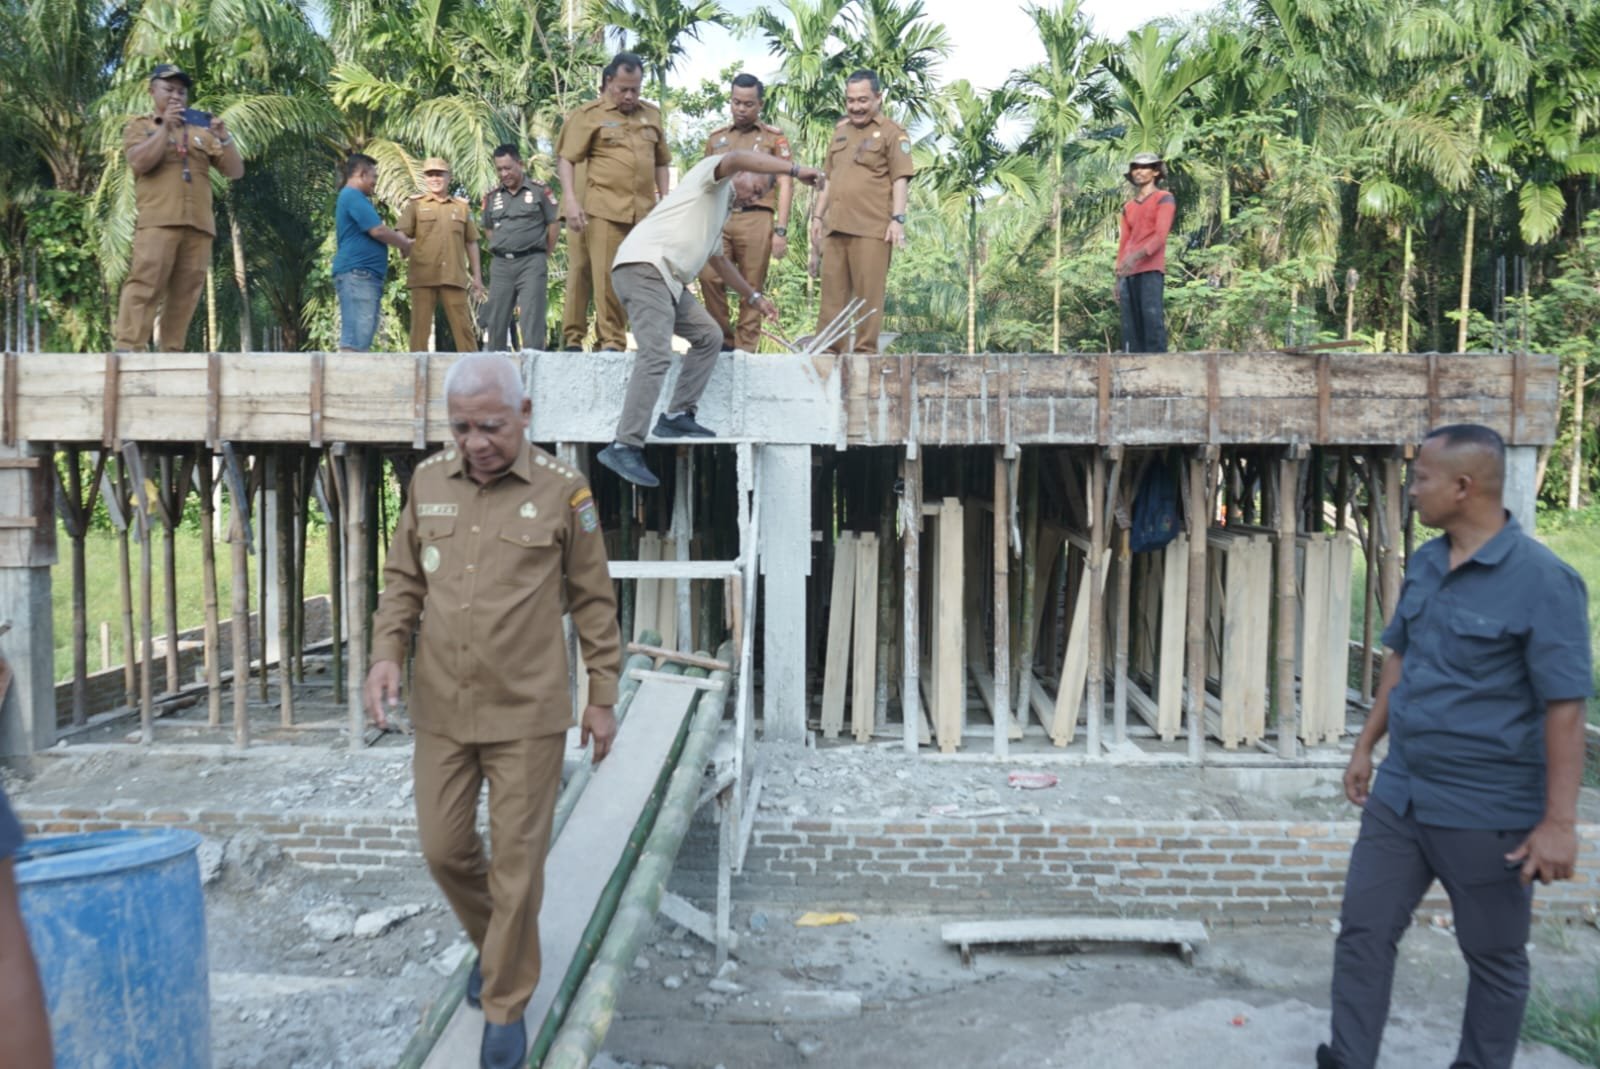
118 925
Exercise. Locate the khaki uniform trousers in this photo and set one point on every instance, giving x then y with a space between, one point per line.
521 285
747 241
167 275
603 238
462 326
656 318
579 292
854 267
496 899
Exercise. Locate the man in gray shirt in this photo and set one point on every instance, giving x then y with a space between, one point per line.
1482 697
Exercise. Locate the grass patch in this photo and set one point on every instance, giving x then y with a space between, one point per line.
1570 1025
104 599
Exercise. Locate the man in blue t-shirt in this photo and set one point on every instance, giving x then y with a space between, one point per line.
1482 698
24 1028
362 260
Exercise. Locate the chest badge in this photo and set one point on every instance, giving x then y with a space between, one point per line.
528 511
527 196
430 559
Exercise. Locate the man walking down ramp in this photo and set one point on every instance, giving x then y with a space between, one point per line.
653 268
496 541
1482 698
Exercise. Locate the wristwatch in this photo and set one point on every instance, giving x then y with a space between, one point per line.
756 296
780 231
899 217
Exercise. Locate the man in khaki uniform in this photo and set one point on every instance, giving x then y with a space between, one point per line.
861 215
620 137
496 541
446 243
579 290
171 152
753 235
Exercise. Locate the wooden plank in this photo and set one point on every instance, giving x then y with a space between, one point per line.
864 655
1075 663
1288 612
949 625
651 570
691 660
841 609
1340 557
984 683
912 710
676 679
1236 633
584 856
1313 664
1169 665
1258 642
647 605
1199 507
1184 935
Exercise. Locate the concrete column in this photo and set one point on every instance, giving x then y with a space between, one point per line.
27 550
784 483
1522 465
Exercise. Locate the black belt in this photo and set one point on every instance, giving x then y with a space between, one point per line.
515 255
753 208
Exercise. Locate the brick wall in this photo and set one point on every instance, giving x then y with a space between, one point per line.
1246 871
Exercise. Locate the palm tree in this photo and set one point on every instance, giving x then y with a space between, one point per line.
971 164
904 48
809 88
1155 79
659 29
1062 92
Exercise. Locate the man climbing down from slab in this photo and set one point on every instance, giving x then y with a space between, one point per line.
654 266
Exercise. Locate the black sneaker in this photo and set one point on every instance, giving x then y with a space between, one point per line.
681 426
628 462
475 986
1325 1058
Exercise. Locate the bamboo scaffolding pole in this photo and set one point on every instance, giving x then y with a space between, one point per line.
1195 635
1370 582
123 518
141 517
208 592
266 468
1288 608
304 473
1095 699
333 510
884 669
1119 678
1391 575
171 510
584 1028
1028 633
239 552
910 523
353 492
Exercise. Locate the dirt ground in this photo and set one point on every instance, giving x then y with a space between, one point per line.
294 985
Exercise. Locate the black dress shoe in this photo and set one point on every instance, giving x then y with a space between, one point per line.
504 1045
1325 1058
682 425
628 462
475 986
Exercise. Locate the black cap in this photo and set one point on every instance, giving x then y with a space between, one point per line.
174 72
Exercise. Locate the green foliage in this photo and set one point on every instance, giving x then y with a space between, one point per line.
76 314
1570 1024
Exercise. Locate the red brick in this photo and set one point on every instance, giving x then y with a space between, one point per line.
928 866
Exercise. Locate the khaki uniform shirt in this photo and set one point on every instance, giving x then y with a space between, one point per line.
488 570
161 195
685 229
442 227
622 151
518 220
863 164
761 137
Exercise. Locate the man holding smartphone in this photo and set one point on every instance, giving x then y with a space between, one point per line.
171 152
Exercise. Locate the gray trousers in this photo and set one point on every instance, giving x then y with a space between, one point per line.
655 317
521 283
1393 863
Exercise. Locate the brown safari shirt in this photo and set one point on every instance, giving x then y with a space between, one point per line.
622 151
863 163
488 571
161 195
760 137
442 227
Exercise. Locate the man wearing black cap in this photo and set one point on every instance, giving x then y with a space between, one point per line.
171 152
1142 256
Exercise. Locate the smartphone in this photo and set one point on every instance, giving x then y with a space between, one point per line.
196 117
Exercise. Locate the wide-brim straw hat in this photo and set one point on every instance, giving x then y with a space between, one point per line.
1147 159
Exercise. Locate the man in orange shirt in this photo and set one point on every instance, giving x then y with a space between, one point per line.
1142 256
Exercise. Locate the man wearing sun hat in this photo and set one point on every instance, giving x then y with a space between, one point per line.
446 244
171 152
1142 256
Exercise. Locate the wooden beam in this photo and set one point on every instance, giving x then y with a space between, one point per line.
911 712
949 625
1195 634
864 654
690 660
1002 606
1288 608
841 608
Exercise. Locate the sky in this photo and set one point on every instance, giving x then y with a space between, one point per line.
990 39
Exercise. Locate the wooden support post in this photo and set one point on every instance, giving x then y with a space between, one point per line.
910 643
1288 609
27 552
885 628
239 548
1095 700
682 533
120 506
282 488
141 519
353 491
1393 480
949 625
1030 564
333 512
1174 588
626 551
1195 636
1369 610
1002 604
169 504
1119 682
864 666
841 606
208 582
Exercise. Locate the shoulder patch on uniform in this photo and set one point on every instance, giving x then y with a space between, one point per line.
905 145
583 504
436 510
580 497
